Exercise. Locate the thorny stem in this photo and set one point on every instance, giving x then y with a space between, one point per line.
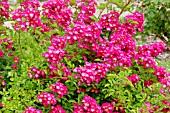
128 2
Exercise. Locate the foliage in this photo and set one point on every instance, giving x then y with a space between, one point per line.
157 17
59 60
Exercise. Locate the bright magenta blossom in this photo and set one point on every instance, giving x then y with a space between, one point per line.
89 105
32 110
57 109
107 107
59 88
91 72
4 9
2 54
36 73
46 99
133 78
58 12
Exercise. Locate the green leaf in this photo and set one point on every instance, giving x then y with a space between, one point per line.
98 60
101 6
107 85
119 3
111 82
143 98
58 99
138 96
156 1
72 88
111 75
132 22
11 79
107 95
129 94
94 18
80 96
115 1
72 101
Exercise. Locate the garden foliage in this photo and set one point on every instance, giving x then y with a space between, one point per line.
157 16
63 59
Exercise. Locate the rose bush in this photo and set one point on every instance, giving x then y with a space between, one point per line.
60 60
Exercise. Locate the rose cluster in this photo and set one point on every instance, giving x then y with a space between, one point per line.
110 21
57 109
119 48
56 50
107 107
46 99
87 36
162 76
91 72
124 42
28 16
25 18
89 105
58 12
30 4
136 17
87 9
8 43
90 38
59 88
133 78
36 73
32 110
4 9
55 54
113 56
145 54
152 50
74 34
